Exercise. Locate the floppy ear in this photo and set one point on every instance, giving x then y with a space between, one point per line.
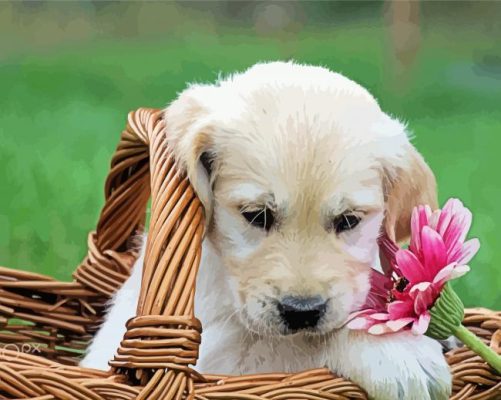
189 134
408 183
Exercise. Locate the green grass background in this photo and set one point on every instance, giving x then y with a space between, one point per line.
69 76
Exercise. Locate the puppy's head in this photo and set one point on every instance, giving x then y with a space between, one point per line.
299 172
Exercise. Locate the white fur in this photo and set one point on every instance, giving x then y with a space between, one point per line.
309 144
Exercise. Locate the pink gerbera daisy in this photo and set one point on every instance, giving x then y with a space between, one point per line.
437 253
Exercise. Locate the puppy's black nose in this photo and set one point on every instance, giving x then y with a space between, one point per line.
301 312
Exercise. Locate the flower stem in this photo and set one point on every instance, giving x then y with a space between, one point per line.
479 347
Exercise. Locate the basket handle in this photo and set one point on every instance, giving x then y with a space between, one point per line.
111 251
162 341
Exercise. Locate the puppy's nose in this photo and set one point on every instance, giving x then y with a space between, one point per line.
301 312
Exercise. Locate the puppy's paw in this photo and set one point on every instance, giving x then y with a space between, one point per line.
399 366
418 372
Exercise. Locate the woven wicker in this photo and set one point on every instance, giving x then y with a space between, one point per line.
46 324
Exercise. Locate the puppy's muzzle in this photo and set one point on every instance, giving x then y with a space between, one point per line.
298 313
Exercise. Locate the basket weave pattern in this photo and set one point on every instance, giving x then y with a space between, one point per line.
46 324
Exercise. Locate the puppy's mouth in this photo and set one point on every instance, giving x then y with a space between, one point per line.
284 331
276 328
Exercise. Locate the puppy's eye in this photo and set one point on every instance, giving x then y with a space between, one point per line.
260 218
345 222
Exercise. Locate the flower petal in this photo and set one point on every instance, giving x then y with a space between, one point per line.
401 309
454 251
415 242
380 316
379 329
419 287
399 324
420 326
468 251
427 214
434 219
453 206
419 219
458 228
410 266
446 215
360 323
362 313
465 221
452 271
380 286
433 251
459 271
443 275
424 296
389 248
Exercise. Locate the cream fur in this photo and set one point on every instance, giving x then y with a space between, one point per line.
308 144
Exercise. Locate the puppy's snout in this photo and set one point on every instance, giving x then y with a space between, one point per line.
301 312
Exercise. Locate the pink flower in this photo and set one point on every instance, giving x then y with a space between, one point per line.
437 253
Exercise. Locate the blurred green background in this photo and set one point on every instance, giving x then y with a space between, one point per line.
70 72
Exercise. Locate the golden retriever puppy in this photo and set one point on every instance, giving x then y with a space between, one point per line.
300 172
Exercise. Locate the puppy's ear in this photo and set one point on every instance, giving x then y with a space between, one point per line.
408 181
189 134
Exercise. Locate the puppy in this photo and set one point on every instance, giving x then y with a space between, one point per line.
299 172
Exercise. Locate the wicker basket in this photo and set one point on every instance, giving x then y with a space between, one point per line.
46 324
